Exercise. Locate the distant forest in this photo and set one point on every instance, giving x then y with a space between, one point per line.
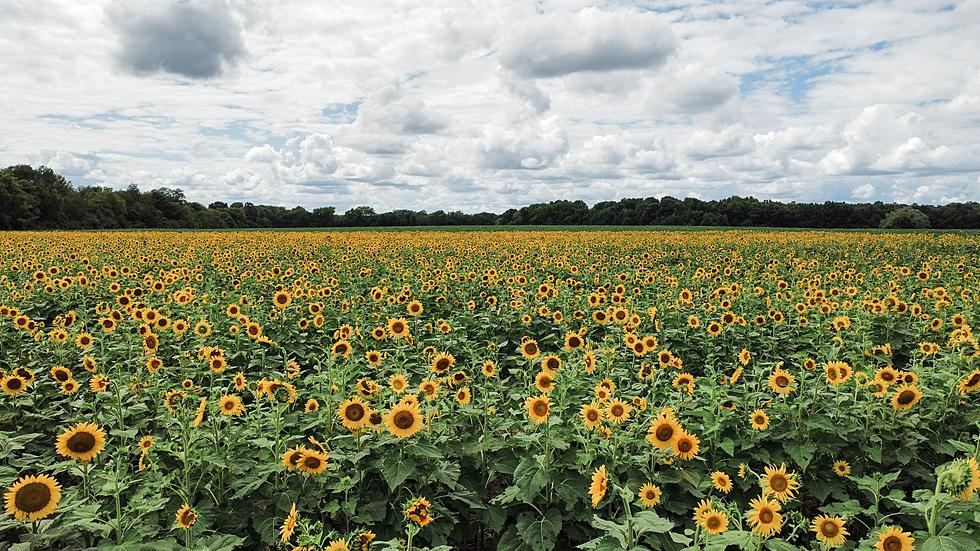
39 198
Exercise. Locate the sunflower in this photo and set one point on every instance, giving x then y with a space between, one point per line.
417 511
650 495
538 408
442 363
288 525
404 420
146 443
829 530
618 411
744 357
398 383
414 308
842 468
663 432
290 458
714 329
591 416
312 462
779 483
32 498
82 442
463 396
99 383
684 381
973 484
398 327
759 420
429 389
230 404
837 373
721 481
336 545
781 381
530 349
551 363
906 396
715 522
311 406
764 516
573 341
354 413
341 347
186 517
701 509
894 539
886 375
489 369
13 385
61 373
373 357
282 300
597 490
202 407
545 381
686 446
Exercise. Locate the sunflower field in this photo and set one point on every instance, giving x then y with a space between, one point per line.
591 390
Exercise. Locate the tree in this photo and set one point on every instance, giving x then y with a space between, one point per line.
905 218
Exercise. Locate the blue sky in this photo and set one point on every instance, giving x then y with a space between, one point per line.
429 105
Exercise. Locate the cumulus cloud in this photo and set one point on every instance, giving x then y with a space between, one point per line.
561 43
191 38
704 144
315 157
532 146
694 88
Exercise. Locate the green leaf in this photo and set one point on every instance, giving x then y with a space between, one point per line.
649 522
802 454
219 542
728 446
530 476
540 533
948 543
738 538
395 472
611 528
780 545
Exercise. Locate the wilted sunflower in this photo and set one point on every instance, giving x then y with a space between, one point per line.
829 530
82 442
686 446
538 408
404 420
779 483
353 413
764 516
288 525
649 495
721 481
186 517
894 538
759 420
663 432
597 490
312 462
32 498
231 404
906 396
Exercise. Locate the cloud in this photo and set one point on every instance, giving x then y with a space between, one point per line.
863 192
532 146
192 38
706 144
694 88
556 44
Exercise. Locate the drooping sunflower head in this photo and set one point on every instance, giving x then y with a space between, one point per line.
186 517
600 482
82 442
32 498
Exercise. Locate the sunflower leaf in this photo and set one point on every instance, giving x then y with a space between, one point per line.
395 472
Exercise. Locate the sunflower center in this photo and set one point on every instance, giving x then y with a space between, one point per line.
397 328
892 543
61 376
81 442
14 384
906 397
782 381
404 419
354 412
33 497
531 349
188 517
442 364
684 446
713 523
617 410
664 432
229 405
540 408
829 529
760 420
311 462
592 416
974 380
765 516
778 483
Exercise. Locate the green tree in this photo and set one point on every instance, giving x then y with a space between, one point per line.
905 218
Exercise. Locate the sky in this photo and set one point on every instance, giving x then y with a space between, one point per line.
478 105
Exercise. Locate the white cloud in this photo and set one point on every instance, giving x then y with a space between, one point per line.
533 145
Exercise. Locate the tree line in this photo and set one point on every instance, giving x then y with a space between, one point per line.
39 198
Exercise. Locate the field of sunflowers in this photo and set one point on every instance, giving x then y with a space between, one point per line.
511 390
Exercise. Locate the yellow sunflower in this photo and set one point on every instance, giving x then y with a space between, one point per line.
663 432
530 349
82 442
715 522
288 525
230 404
905 397
829 530
538 408
591 416
186 517
13 385
442 363
650 495
354 413
781 381
597 490
32 498
618 411
686 446
970 383
894 539
404 420
290 458
312 462
842 468
721 481
764 516
779 483
759 420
